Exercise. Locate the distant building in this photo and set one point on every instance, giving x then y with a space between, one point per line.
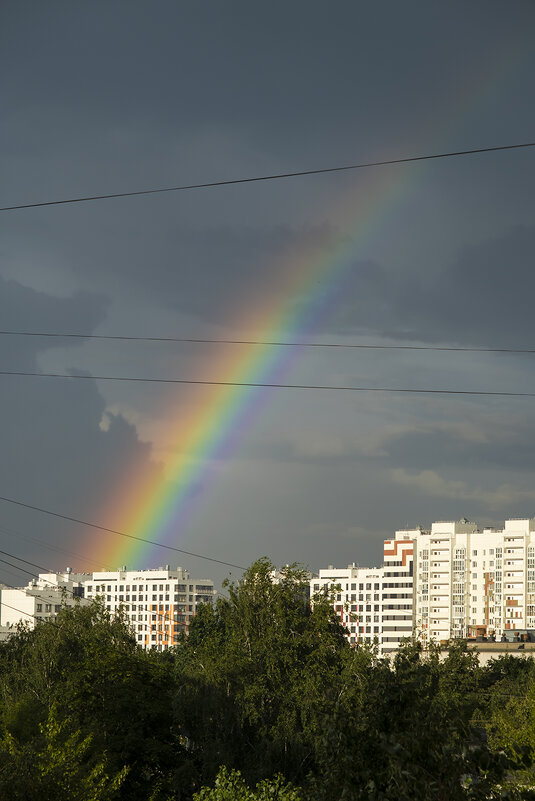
375 604
158 604
41 599
473 582
452 581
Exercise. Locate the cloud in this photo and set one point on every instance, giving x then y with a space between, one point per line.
429 482
55 453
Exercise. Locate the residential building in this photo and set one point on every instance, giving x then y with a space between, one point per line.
41 599
159 604
473 582
356 597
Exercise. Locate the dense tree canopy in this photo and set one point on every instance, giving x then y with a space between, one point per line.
264 699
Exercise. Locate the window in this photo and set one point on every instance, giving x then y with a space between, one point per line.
39 607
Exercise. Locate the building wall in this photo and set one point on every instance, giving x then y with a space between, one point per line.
159 604
357 601
472 581
41 599
452 581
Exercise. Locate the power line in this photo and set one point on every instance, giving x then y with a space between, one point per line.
267 385
119 533
208 341
272 177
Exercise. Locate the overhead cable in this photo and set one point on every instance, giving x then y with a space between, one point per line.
263 343
267 385
272 177
98 527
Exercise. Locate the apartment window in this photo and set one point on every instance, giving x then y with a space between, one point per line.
474 553
39 607
48 607
56 607
121 588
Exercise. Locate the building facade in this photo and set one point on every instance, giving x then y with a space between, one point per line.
475 582
41 599
455 580
158 604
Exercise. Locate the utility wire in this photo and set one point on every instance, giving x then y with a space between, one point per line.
272 177
331 387
120 533
208 341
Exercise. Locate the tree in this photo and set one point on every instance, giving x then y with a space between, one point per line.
404 731
114 698
256 674
230 786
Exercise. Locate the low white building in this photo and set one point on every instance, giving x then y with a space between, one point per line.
159 604
41 599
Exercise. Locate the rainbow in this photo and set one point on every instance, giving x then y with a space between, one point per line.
160 509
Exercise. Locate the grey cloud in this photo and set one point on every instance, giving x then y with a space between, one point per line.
54 452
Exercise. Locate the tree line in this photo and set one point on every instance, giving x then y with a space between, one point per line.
264 699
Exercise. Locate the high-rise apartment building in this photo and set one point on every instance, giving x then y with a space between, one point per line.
474 582
452 581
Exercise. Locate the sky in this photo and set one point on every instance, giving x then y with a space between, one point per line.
108 97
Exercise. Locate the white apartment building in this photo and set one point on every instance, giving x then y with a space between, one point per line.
453 581
159 604
357 599
474 582
41 599
398 590
375 604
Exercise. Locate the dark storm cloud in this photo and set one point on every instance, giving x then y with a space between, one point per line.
484 298
490 442
106 96
38 311
54 452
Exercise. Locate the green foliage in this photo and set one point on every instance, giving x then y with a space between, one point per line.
511 717
404 731
256 673
230 786
267 686
116 698
56 765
